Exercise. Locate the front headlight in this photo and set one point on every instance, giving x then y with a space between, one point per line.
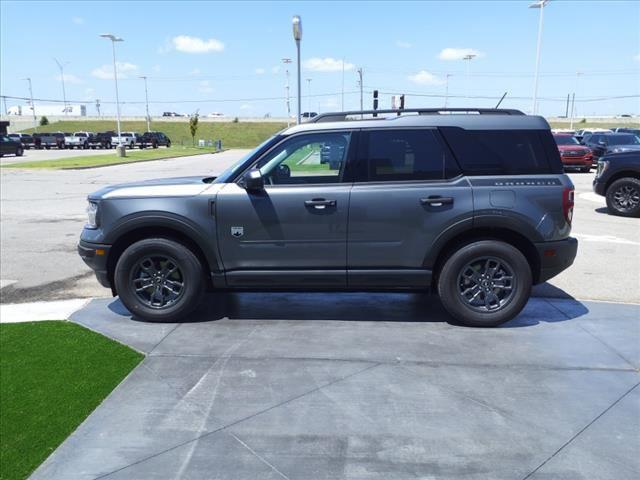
602 166
92 215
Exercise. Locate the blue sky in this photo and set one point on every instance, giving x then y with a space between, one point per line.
206 52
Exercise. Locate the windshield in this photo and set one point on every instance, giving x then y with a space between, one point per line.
230 172
566 140
624 140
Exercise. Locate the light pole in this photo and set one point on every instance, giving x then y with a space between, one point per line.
33 107
446 91
287 61
361 87
538 4
61 66
468 59
114 39
341 90
146 98
573 101
309 94
297 36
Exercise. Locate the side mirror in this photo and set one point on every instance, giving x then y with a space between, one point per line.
253 180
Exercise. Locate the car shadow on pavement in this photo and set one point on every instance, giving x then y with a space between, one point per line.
357 307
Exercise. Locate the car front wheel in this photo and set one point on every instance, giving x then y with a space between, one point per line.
623 197
159 280
19 152
485 283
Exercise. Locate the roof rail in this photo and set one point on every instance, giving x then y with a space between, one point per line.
342 116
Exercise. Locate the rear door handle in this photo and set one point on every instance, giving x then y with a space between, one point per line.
320 203
436 201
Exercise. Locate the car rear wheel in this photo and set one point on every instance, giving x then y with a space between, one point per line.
623 197
168 144
585 169
159 280
485 283
19 152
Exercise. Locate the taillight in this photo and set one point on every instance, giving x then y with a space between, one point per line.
568 203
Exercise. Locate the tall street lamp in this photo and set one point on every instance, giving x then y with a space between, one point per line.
309 93
297 36
115 39
146 98
446 91
538 4
33 107
61 66
287 61
468 59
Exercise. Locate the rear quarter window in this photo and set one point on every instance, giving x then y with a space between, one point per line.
503 152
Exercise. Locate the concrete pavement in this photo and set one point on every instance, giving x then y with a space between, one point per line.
365 386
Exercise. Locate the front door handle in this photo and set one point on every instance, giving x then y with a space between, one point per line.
436 201
319 203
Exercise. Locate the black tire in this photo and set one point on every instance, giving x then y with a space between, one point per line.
452 282
155 144
190 273
585 169
19 152
108 145
168 144
623 197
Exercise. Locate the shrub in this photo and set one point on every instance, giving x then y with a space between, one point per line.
44 121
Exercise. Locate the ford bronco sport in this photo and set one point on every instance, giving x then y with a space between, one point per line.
473 203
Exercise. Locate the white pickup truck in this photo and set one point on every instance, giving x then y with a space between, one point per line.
78 140
128 139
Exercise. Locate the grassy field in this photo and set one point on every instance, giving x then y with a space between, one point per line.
53 375
89 161
233 135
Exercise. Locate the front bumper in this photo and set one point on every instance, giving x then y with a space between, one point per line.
555 257
96 255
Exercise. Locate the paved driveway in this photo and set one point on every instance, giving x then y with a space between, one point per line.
365 386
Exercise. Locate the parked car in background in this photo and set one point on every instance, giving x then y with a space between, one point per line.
215 115
171 114
635 131
308 115
128 139
78 140
618 179
572 154
49 140
101 140
155 140
24 138
583 134
9 146
564 131
606 143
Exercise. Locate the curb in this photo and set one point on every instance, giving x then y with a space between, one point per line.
40 311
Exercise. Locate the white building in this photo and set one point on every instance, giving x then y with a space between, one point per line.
57 110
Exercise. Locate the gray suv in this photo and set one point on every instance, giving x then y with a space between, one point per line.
473 203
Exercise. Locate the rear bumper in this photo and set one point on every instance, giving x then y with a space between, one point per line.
555 257
95 255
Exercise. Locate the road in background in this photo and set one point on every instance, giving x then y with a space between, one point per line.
43 214
35 155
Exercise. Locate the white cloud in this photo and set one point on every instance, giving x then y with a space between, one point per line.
458 53
260 71
187 44
69 78
105 72
275 70
402 44
327 64
205 87
425 78
89 94
77 20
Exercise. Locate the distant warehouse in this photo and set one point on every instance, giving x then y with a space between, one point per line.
52 110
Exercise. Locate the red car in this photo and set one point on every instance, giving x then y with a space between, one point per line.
572 154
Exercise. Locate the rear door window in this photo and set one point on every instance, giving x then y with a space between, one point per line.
406 155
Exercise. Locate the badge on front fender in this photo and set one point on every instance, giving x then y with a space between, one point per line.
237 232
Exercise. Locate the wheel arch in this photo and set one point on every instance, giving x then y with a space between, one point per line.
622 174
456 240
162 227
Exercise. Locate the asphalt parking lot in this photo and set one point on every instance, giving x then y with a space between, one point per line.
373 386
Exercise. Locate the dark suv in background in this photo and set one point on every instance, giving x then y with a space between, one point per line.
606 143
155 140
473 203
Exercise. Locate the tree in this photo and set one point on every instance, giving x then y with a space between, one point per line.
44 121
193 127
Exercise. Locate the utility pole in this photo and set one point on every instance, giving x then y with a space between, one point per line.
98 106
146 97
538 4
342 89
468 59
64 93
309 94
360 83
573 101
287 61
446 91
297 36
33 107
